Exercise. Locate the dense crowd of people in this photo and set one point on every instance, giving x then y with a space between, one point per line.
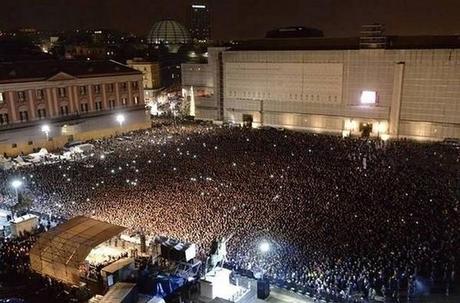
342 217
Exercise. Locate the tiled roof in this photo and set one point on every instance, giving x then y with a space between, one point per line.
26 71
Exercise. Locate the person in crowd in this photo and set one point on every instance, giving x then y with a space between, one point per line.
344 217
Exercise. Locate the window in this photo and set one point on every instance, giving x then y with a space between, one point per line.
82 90
41 113
112 104
368 97
124 87
99 105
97 89
84 107
39 94
4 119
22 96
2 98
123 101
110 87
62 92
136 100
135 85
64 110
23 116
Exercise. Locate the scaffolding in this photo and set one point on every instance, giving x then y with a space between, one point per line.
61 251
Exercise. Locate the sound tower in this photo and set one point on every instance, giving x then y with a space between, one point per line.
263 289
143 244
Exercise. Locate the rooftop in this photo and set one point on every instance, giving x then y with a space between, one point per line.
26 71
318 43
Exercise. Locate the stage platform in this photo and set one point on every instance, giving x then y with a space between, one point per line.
217 285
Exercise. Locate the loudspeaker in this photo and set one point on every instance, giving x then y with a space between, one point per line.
143 244
263 289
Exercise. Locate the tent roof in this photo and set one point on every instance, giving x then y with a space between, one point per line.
60 251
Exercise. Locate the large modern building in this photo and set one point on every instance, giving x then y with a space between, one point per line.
52 90
200 21
390 87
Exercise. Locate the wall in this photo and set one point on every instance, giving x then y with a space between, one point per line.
204 80
59 141
320 90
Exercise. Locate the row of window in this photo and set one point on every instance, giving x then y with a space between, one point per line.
305 97
64 110
83 90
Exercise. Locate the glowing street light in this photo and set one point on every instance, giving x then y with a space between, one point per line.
46 129
16 184
264 247
120 119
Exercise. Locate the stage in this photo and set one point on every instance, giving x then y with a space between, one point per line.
103 253
216 284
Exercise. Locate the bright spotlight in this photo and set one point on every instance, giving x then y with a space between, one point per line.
368 97
16 184
264 247
120 118
46 128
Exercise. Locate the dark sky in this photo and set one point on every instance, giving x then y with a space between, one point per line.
239 19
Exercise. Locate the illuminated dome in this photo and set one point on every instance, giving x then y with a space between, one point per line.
168 32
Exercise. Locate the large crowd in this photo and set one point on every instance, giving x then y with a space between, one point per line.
343 217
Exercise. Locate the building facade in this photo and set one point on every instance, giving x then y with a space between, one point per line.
200 21
62 90
398 91
150 75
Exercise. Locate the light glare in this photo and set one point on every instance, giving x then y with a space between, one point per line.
368 97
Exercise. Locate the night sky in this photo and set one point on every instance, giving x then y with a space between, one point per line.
238 19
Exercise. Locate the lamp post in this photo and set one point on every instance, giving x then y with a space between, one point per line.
46 129
16 184
120 119
264 247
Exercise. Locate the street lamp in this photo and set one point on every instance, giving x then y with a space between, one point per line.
46 129
16 185
120 119
264 247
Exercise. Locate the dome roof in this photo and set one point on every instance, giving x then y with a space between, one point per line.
168 32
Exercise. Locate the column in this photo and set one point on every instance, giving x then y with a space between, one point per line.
49 101
55 100
130 94
104 98
395 108
14 115
117 93
91 99
71 104
33 115
76 100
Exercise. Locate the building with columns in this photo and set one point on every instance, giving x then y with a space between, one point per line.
399 87
64 90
